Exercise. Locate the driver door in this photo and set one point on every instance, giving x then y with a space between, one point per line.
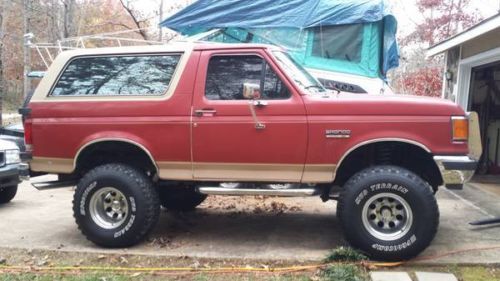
229 142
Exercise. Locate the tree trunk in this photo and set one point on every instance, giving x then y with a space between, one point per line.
160 31
2 36
69 18
27 49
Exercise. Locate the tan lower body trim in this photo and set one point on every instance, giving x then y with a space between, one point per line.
175 170
311 173
318 173
315 173
51 165
248 172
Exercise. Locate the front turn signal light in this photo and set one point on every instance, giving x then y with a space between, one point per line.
460 128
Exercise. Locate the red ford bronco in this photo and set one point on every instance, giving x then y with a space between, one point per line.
140 127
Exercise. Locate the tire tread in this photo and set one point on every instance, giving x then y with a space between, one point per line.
7 193
425 187
152 211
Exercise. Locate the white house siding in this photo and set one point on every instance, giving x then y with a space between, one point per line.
483 43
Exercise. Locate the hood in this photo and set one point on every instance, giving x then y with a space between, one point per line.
364 104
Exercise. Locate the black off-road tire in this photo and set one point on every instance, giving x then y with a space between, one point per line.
182 198
140 195
379 181
7 193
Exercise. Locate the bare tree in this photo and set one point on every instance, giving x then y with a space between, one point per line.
134 16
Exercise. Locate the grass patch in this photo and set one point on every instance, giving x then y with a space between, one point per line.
52 277
345 254
479 274
158 277
343 272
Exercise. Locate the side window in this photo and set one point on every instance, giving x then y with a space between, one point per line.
117 76
338 42
226 76
274 89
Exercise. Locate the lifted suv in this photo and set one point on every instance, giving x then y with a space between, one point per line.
141 127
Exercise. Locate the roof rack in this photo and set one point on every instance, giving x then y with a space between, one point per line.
48 51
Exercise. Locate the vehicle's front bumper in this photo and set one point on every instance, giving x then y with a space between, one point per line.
9 175
456 170
24 171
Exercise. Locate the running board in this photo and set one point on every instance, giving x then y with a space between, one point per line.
305 192
52 184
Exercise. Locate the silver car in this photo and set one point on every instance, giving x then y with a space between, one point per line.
9 170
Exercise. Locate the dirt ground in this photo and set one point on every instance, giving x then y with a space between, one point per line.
251 228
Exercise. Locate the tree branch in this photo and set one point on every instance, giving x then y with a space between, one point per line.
136 21
109 23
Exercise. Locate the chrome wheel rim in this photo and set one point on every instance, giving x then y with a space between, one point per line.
108 208
387 216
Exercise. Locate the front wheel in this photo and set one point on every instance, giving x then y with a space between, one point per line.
388 212
7 193
116 205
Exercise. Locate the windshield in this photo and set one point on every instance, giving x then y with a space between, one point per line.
297 72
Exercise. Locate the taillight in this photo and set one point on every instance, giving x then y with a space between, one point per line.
460 128
28 133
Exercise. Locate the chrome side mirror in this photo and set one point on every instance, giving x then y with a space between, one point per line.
251 91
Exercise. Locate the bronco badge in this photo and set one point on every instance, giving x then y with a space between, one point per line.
338 134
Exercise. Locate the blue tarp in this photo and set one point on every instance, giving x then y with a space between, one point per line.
205 15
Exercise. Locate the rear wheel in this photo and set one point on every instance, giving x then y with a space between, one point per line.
388 212
182 198
7 193
115 205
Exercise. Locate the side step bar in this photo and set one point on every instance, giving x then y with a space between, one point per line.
52 184
266 192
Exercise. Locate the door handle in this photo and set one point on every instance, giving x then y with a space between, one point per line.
258 124
260 103
205 112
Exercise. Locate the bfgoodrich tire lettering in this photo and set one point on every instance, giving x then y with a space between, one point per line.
388 212
115 205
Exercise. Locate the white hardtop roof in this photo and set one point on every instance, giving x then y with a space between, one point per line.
481 28
178 46
173 47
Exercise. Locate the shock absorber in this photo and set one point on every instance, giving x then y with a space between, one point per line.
384 154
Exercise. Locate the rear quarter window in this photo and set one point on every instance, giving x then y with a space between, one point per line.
117 76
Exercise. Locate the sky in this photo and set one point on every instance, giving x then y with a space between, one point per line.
405 11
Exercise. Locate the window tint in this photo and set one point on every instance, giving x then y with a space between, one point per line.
117 76
227 75
342 42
